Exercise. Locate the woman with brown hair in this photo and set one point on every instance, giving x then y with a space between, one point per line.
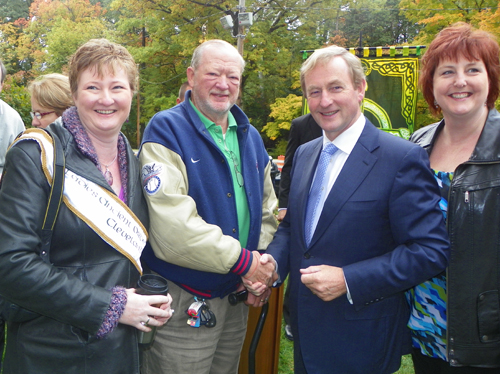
455 317
88 312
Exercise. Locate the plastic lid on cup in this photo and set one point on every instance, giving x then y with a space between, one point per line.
152 284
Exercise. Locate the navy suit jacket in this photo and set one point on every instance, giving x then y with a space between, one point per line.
382 224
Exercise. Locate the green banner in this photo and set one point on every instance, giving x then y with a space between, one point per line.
391 93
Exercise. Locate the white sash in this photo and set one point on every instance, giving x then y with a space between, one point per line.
102 210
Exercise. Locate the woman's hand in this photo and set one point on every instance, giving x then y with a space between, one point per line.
142 311
258 301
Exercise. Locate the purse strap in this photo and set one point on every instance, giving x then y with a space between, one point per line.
55 198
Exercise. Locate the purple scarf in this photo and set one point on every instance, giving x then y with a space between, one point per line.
71 121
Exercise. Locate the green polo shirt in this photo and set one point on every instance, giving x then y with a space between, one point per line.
231 150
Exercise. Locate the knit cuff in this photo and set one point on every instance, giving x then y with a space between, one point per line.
244 262
115 311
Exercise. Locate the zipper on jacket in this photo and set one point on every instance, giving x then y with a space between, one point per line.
466 196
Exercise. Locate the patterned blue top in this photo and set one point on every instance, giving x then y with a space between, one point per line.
428 299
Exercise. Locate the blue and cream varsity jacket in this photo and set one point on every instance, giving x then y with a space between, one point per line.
193 220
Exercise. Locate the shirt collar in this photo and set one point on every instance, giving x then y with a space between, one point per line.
348 138
230 118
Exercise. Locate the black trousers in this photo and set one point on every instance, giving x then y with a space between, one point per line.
428 365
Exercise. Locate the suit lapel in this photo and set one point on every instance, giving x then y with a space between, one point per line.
358 165
304 170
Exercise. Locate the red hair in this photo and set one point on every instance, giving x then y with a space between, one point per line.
461 40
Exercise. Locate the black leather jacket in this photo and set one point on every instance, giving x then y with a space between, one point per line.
473 278
73 294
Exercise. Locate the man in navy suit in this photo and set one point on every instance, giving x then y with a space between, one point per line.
361 228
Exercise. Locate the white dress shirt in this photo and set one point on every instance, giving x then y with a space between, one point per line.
345 143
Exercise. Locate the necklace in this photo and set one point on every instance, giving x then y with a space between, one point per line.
107 174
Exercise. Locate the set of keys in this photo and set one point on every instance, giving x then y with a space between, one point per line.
200 314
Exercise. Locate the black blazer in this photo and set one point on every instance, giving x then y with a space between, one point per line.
302 130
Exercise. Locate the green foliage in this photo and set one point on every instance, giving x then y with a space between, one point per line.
38 36
378 23
423 116
11 10
18 98
284 110
434 15
66 36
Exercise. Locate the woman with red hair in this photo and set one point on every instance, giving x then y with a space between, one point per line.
455 317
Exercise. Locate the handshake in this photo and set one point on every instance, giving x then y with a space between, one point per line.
260 278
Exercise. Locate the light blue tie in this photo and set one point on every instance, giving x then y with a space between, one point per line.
317 190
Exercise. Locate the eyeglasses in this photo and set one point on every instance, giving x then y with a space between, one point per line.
239 176
39 115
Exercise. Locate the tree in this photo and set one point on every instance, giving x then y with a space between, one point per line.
162 36
11 10
434 15
17 97
377 23
56 29
283 111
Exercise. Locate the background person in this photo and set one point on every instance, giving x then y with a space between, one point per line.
206 177
11 123
454 319
182 92
89 312
302 130
354 239
50 97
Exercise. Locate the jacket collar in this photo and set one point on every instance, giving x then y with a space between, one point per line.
486 148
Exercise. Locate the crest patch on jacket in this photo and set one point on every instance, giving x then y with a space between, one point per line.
150 175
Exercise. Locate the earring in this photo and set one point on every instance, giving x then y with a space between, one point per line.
436 104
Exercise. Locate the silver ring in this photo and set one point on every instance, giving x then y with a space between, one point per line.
146 323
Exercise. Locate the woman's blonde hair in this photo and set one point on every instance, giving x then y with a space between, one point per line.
52 91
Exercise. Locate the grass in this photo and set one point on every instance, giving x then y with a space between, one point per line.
285 365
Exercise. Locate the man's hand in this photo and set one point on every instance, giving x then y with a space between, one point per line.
326 282
281 215
262 274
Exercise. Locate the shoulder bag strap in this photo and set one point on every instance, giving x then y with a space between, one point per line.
55 198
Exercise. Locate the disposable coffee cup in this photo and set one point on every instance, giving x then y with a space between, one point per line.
150 284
